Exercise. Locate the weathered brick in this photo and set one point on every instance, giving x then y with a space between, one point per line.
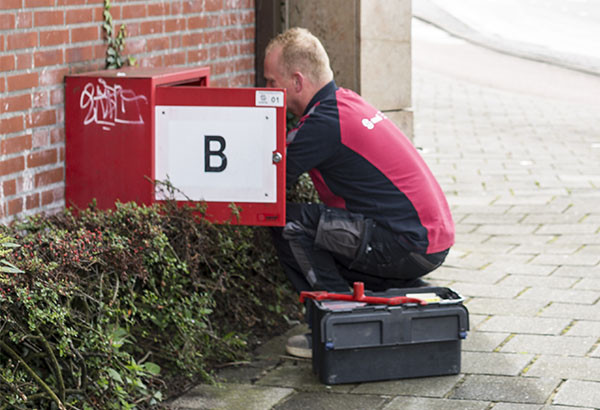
9 188
49 57
247 49
40 138
57 96
24 61
21 81
52 76
32 201
213 37
7 22
21 40
14 206
75 16
242 80
10 4
174 24
134 11
151 27
39 3
174 59
52 195
158 9
98 13
155 44
151 61
53 37
192 40
12 165
133 29
40 158
41 118
57 135
246 17
60 115
40 99
202 22
244 64
195 56
49 177
228 50
13 145
48 18
177 8
77 54
24 19
100 51
190 7
11 124
15 103
81 34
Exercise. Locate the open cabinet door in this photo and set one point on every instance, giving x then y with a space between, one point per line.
224 147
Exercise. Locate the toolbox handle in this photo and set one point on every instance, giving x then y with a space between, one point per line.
359 296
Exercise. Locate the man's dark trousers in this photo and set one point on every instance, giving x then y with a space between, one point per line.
324 248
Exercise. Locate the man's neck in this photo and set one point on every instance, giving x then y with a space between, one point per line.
314 96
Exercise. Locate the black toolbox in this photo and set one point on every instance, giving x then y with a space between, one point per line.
400 333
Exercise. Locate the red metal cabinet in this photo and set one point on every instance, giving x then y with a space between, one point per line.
127 128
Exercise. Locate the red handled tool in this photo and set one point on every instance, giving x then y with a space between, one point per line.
359 296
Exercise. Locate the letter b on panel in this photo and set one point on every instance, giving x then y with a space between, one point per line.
209 152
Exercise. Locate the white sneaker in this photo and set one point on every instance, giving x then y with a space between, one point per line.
300 346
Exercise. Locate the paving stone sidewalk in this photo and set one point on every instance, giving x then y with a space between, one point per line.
522 174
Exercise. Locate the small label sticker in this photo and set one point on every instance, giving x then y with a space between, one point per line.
269 98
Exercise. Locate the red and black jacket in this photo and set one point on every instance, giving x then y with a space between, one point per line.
360 161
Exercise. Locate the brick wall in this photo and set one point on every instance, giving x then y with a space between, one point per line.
43 40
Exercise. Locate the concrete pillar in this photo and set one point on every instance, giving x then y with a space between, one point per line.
368 42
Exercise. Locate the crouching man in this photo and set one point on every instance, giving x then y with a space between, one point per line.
384 219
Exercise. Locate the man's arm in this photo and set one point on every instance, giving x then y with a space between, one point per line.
316 141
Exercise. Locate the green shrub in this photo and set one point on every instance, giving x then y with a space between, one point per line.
119 309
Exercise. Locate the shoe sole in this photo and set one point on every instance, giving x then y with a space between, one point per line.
297 352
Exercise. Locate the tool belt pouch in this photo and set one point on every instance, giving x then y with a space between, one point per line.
342 232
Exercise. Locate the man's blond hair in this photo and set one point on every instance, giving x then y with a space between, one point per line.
303 52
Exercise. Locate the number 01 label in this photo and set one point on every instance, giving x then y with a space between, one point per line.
269 98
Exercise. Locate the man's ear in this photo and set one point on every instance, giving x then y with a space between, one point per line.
298 81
